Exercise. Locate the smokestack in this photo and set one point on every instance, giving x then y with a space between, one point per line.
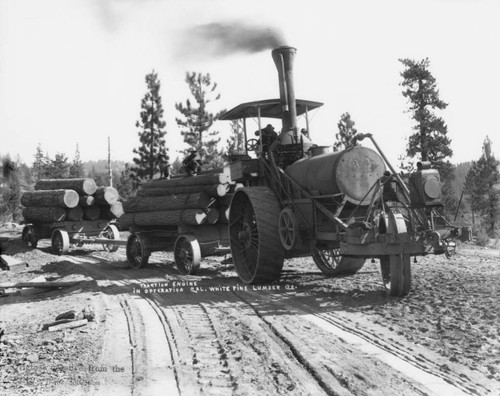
283 58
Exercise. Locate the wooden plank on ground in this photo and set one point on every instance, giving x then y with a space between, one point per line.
12 264
54 284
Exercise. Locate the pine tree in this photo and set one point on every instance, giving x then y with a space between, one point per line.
76 169
197 120
430 140
236 141
38 167
346 133
11 192
152 153
481 182
100 178
125 183
58 168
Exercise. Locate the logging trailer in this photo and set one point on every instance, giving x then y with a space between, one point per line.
183 215
63 234
295 198
71 212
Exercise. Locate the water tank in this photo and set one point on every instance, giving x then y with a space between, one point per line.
352 172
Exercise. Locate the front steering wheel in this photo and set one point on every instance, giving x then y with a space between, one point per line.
253 145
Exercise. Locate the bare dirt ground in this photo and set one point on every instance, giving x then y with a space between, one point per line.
158 332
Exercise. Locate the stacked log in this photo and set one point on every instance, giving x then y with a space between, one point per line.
189 200
56 200
74 214
44 214
83 186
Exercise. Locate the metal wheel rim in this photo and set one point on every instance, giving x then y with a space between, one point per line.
134 252
244 236
60 242
327 259
184 255
257 251
109 233
287 230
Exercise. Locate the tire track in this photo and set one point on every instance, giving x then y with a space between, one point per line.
202 355
421 369
418 361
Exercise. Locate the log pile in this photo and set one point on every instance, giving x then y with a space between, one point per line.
189 200
56 200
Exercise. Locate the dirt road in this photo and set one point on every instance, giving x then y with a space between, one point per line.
157 332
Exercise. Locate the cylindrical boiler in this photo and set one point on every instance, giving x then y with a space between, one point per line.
352 172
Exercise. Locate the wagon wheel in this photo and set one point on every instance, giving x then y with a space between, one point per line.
29 236
396 268
288 229
110 232
137 252
60 242
253 232
330 262
187 254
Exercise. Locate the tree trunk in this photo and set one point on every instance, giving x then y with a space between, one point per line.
50 198
44 215
86 201
83 186
193 216
110 212
125 221
92 212
74 214
170 202
170 217
203 179
213 190
106 195
117 209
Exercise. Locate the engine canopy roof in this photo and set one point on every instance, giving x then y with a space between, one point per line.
269 108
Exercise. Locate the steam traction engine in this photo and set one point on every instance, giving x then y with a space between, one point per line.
340 207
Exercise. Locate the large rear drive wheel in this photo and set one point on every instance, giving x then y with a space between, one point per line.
137 252
331 263
60 242
187 254
396 274
253 231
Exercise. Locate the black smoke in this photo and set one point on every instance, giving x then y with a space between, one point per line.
223 39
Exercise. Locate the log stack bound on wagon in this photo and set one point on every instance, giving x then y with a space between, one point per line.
185 214
71 211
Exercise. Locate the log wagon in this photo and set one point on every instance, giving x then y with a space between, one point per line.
186 215
71 212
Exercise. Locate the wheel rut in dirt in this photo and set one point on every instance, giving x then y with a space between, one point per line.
272 343
354 348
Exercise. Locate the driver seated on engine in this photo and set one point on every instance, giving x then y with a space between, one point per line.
268 136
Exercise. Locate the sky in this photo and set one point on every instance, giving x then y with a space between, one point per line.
73 71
